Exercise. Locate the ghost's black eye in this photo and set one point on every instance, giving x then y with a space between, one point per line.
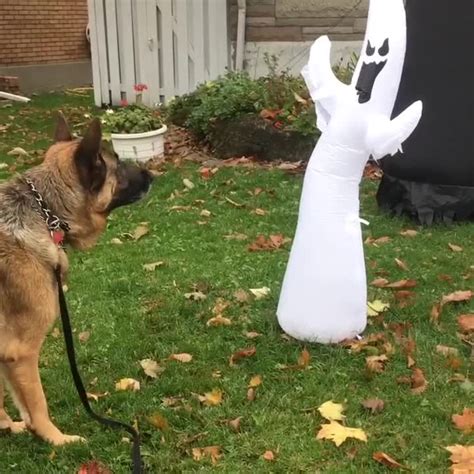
370 49
384 49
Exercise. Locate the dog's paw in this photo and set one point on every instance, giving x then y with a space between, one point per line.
17 426
67 439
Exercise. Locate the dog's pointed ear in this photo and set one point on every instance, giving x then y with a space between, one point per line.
62 133
90 165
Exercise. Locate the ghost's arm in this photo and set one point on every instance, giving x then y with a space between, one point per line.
323 85
385 136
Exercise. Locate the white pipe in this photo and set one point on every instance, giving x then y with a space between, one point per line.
19 98
240 46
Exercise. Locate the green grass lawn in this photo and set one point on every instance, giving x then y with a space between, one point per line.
133 314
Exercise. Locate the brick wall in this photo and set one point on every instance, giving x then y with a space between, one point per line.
42 31
302 20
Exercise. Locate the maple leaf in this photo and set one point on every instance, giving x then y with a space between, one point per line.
260 293
374 308
386 460
247 352
462 458
127 384
151 368
158 421
182 357
213 452
218 321
212 398
464 422
151 267
332 411
375 405
376 363
466 322
338 433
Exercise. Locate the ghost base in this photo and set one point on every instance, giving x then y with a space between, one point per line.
426 203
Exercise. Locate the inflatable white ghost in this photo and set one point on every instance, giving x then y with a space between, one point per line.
324 293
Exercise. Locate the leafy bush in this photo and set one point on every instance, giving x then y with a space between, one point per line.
132 119
278 97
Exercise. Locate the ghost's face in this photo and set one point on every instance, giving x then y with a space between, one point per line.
374 61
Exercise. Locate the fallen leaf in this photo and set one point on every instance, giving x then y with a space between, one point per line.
182 357
268 456
260 293
252 334
260 212
374 308
140 231
211 399
3 166
205 213
337 433
372 340
304 358
84 336
236 356
375 405
380 282
220 306
464 422
94 467
236 236
180 208
17 151
376 364
219 321
251 394
116 241
455 297
446 350
462 458
455 248
418 381
96 396
212 452
402 284
127 384
151 267
287 166
273 242
55 333
235 423
409 233
332 411
401 264
444 277
195 296
269 114
188 183
241 296
386 460
151 368
255 381
158 421
466 322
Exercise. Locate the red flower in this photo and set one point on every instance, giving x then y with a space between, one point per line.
124 102
140 87
278 124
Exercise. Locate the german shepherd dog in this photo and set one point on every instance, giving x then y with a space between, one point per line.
69 194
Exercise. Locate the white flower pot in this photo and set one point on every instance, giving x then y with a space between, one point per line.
140 146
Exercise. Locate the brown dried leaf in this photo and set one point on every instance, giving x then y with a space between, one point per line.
357 346
418 382
241 296
235 423
464 422
255 381
462 458
93 467
375 405
243 353
195 296
236 236
212 452
409 233
268 456
447 351
151 368
252 334
127 384
84 336
182 357
444 277
380 240
457 296
402 284
304 359
401 264
260 212
212 398
251 394
466 322
140 231
273 242
158 421
386 460
376 364
219 321
455 248
380 282
96 396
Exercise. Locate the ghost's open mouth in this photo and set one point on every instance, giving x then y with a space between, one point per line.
365 83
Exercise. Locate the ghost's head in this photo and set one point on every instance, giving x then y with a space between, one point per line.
379 69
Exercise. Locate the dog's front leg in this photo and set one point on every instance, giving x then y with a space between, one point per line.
6 422
24 380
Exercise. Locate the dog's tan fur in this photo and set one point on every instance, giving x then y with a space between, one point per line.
28 257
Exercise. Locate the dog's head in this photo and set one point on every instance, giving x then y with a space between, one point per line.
95 180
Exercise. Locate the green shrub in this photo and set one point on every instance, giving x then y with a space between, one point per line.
131 119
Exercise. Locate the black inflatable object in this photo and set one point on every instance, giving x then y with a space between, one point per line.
433 180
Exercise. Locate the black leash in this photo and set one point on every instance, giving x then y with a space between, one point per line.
136 456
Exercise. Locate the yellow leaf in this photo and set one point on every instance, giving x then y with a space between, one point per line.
151 368
260 293
211 398
331 411
462 458
127 385
116 241
151 267
219 321
338 433
140 231
376 307
183 357
255 381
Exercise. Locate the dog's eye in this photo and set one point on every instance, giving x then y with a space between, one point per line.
370 49
384 49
